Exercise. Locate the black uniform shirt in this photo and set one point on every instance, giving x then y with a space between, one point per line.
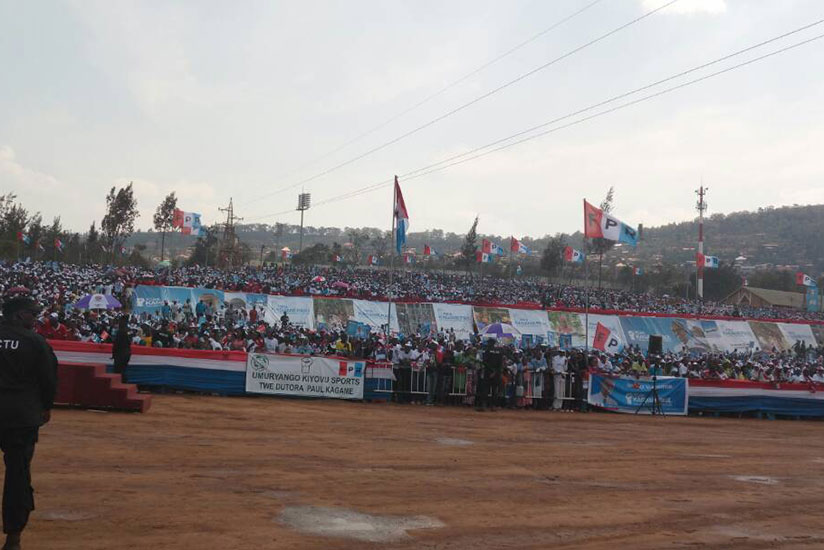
28 377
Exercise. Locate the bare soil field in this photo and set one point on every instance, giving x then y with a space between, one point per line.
257 473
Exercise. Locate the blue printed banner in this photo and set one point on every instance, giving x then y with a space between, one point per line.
628 395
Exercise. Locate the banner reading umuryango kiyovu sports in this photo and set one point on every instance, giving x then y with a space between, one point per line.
304 376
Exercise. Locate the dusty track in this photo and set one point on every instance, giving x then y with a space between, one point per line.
217 473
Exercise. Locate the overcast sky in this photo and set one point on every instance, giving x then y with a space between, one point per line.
241 99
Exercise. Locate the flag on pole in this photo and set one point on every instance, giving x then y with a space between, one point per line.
429 251
123 250
187 222
337 259
483 257
804 279
710 262
23 238
599 224
637 270
491 248
401 218
517 246
408 259
58 245
285 254
372 260
606 340
574 256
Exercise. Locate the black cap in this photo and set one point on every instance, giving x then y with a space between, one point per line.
18 303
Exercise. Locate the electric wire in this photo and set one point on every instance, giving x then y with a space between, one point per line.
459 159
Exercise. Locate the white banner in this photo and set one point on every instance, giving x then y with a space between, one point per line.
794 332
301 311
530 321
456 317
304 376
375 314
736 335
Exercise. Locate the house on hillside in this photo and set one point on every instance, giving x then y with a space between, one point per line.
764 297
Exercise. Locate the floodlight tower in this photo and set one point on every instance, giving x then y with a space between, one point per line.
701 206
304 200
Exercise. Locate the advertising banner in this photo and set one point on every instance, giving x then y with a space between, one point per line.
416 319
628 395
638 330
530 321
332 314
769 336
375 314
304 376
811 300
566 329
737 335
300 310
487 315
794 332
457 317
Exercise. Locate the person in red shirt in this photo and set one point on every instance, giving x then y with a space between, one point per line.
53 329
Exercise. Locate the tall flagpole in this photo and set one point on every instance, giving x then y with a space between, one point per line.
586 283
393 237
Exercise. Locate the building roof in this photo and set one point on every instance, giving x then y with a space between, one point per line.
780 298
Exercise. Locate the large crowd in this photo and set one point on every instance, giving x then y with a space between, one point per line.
59 286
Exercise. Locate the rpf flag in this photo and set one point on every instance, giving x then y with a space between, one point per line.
429 251
401 216
486 246
23 238
637 270
710 262
285 254
599 224
187 222
337 259
372 260
483 257
123 250
58 245
408 259
574 256
605 340
517 246
804 279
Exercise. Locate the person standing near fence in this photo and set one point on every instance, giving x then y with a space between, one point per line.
559 369
489 378
28 383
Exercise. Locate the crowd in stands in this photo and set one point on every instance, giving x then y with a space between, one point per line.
60 285
201 327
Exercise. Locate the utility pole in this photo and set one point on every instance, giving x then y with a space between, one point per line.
701 206
228 253
304 200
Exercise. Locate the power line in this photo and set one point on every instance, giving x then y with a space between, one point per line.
441 91
458 159
470 103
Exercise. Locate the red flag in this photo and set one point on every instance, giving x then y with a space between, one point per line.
601 336
342 368
592 221
699 259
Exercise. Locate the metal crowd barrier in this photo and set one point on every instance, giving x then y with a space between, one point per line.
411 383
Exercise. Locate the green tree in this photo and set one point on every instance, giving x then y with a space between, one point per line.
205 248
552 257
13 220
163 218
93 244
118 223
470 245
318 253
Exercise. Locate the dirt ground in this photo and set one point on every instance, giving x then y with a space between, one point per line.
257 473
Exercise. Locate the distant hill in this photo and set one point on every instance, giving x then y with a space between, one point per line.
778 236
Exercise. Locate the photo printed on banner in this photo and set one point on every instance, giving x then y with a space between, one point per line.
416 319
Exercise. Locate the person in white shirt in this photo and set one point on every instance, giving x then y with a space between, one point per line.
559 368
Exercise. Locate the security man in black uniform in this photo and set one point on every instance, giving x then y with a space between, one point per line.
489 380
28 383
